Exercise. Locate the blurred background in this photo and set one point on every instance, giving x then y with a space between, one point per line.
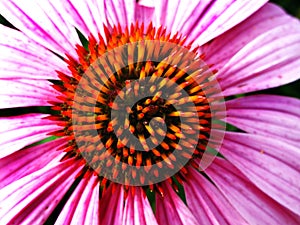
292 89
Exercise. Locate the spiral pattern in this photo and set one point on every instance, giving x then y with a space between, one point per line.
141 112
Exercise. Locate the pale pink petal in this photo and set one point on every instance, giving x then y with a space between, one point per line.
220 16
28 160
137 209
31 199
23 58
25 92
267 115
87 16
81 201
90 16
19 131
41 21
221 49
200 20
255 206
257 56
92 215
170 209
144 12
205 199
271 164
120 11
111 205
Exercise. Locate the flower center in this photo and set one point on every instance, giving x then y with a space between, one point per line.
135 110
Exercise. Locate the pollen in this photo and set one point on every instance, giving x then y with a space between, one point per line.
154 120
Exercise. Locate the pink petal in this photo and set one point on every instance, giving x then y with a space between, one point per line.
144 12
170 209
267 115
111 205
220 16
255 206
90 16
31 199
81 202
200 20
260 56
20 131
23 58
28 160
137 209
220 50
120 11
25 92
87 16
212 207
271 164
92 215
41 22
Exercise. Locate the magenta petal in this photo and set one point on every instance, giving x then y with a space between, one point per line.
25 92
255 206
92 215
144 13
81 202
111 205
87 16
202 196
271 164
31 199
41 22
29 160
198 20
259 56
218 17
267 115
224 47
170 209
120 11
20 131
137 209
23 58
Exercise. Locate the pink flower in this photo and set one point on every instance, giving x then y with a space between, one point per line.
247 45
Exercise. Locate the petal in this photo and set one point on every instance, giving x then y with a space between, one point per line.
31 199
111 205
255 206
221 49
23 58
220 16
120 12
266 57
40 21
203 197
200 20
92 215
81 201
20 131
170 209
137 209
25 92
28 160
271 164
267 115
144 12
90 16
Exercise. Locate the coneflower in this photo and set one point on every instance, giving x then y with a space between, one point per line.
134 131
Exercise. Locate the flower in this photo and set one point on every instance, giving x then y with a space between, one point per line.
56 59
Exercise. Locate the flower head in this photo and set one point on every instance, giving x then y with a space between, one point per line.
127 104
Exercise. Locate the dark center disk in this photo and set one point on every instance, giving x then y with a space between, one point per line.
140 116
